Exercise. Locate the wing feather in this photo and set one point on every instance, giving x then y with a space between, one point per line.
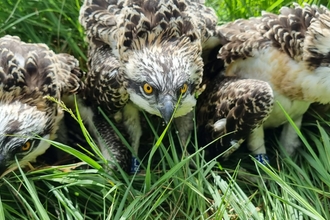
106 83
243 103
32 71
301 32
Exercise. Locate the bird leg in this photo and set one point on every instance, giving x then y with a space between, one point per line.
132 123
110 144
105 137
256 144
289 138
184 125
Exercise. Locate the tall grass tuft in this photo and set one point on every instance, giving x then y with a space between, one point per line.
52 22
171 186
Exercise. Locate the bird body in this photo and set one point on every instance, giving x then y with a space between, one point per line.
290 52
285 76
146 55
29 73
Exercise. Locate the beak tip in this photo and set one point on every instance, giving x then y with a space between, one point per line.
167 120
166 108
166 114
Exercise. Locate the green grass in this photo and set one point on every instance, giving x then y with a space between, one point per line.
293 188
52 22
228 10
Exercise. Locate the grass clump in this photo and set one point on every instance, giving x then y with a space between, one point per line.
52 22
292 188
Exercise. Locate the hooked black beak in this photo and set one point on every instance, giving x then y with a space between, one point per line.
166 107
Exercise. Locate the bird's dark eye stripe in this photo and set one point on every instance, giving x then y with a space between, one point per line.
135 86
18 149
34 144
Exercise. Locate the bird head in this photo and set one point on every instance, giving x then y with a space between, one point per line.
29 73
23 130
163 78
154 50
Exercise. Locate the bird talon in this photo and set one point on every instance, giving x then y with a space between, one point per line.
31 167
135 167
235 144
220 125
262 158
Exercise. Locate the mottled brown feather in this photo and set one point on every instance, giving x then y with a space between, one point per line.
296 31
32 71
291 52
29 73
244 103
115 29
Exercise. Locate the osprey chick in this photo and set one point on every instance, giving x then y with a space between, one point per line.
147 54
290 52
28 73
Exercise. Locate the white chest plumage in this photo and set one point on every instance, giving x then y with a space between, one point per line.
287 79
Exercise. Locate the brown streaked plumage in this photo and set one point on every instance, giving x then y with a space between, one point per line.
143 54
231 108
290 51
116 154
29 73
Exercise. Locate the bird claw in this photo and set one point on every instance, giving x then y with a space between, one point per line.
262 158
135 166
220 125
235 144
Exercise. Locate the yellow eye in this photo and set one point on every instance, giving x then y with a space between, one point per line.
26 146
184 88
147 88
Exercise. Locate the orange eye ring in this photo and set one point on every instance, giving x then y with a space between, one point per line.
184 88
26 146
147 88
